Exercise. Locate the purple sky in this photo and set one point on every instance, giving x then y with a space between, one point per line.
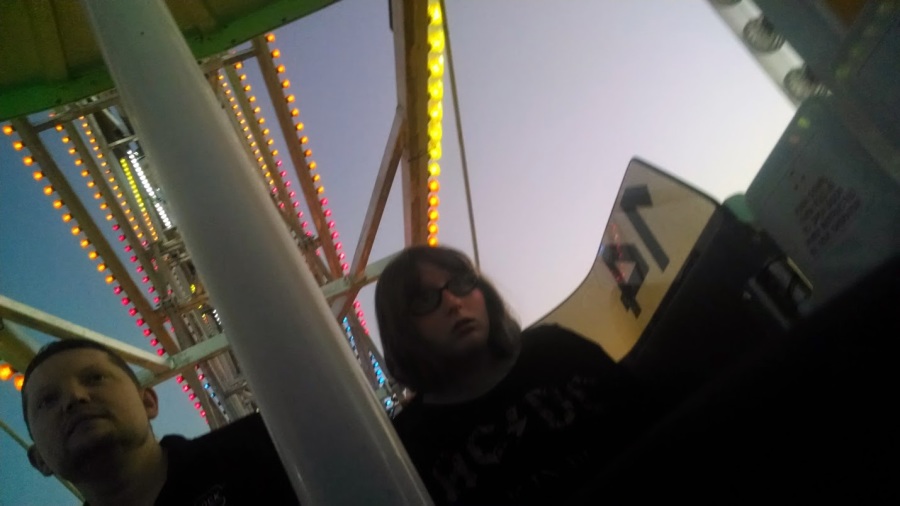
556 97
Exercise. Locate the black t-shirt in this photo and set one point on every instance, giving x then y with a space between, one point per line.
234 465
564 409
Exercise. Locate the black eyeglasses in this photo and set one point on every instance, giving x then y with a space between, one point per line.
426 301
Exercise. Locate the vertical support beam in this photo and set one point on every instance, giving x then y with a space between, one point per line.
253 271
393 150
410 22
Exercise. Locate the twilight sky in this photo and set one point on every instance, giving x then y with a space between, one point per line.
555 98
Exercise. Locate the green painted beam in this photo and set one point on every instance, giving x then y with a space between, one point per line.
84 80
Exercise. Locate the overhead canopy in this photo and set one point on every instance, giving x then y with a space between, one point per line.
48 55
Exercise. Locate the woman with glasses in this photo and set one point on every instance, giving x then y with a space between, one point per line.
501 415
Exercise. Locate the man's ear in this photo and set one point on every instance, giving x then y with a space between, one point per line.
37 462
151 402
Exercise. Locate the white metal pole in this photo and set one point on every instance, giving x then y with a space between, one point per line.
333 437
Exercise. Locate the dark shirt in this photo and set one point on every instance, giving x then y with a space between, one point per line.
563 410
234 465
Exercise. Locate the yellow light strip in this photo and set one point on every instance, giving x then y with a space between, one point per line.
140 202
255 148
67 217
311 164
435 113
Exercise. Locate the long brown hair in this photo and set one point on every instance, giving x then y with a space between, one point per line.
406 355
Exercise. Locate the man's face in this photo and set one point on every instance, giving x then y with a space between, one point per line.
81 405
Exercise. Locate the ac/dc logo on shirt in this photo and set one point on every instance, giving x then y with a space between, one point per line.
540 412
